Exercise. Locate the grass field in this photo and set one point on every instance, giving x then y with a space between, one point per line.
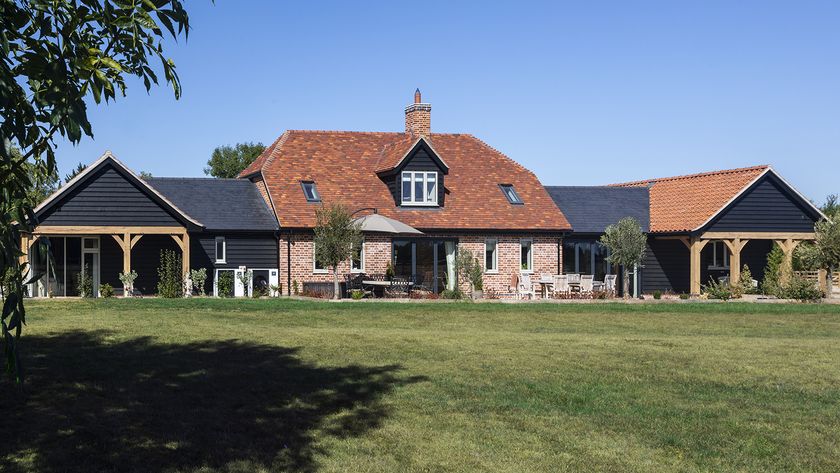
275 385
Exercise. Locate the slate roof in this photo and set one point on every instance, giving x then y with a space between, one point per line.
219 204
343 166
685 203
590 209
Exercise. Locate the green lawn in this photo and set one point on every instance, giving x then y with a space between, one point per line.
275 385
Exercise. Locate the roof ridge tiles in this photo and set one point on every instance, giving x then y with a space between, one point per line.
691 176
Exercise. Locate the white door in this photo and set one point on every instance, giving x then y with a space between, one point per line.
90 260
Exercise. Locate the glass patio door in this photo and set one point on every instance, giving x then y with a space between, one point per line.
428 262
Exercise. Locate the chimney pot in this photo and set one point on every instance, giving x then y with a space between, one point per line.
417 98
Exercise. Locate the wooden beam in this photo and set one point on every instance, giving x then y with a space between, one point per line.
735 246
695 249
787 246
127 253
185 255
120 241
104 230
135 239
179 241
24 248
686 241
756 236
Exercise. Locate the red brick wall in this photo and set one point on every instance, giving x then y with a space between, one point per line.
263 190
418 119
378 255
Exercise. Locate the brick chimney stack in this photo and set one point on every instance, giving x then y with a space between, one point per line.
418 117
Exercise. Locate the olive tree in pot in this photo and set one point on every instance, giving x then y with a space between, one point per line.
336 234
626 242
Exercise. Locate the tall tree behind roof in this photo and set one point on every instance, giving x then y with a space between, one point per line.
228 161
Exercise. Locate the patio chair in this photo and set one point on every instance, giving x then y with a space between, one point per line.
525 287
561 285
609 283
574 282
587 283
354 283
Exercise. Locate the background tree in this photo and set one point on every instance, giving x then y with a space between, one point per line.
56 54
831 207
335 237
626 242
145 175
75 172
229 161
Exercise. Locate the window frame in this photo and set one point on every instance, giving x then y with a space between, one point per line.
725 252
509 187
530 242
223 259
411 200
315 268
495 259
361 268
316 195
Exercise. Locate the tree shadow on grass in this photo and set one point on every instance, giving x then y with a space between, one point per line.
90 405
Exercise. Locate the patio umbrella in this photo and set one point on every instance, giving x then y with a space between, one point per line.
378 223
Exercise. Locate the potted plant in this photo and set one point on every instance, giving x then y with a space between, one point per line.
389 272
128 282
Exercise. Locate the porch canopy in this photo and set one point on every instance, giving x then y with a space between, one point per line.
108 199
721 212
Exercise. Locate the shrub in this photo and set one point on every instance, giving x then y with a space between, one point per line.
772 272
657 294
295 288
746 282
599 295
198 277
801 289
84 282
224 285
389 271
276 289
357 294
106 291
718 290
127 280
685 296
451 294
170 277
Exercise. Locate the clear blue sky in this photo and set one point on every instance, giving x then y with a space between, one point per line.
579 92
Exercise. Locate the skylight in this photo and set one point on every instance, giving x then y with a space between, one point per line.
310 192
510 193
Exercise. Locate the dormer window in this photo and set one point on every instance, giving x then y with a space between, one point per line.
310 191
510 193
419 188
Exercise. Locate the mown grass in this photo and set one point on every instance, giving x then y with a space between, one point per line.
276 385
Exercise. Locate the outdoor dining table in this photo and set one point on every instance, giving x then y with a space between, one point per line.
380 284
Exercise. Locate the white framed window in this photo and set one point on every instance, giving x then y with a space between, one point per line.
526 255
720 255
419 188
491 255
317 266
221 250
357 261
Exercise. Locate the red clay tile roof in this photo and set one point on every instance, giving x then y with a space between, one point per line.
684 203
343 166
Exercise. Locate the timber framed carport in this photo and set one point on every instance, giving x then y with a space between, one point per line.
107 200
126 237
735 243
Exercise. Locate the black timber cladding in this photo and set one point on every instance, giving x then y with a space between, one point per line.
590 209
107 198
219 204
769 205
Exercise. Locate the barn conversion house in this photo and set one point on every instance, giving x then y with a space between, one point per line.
437 192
